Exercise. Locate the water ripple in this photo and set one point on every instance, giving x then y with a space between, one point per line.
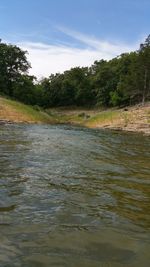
73 194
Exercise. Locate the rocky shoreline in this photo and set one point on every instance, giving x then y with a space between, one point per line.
134 128
5 122
143 129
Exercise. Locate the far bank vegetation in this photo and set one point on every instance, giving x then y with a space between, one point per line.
119 82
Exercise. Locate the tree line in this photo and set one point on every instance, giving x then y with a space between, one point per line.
123 80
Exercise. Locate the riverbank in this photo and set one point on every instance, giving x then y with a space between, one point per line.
15 112
134 119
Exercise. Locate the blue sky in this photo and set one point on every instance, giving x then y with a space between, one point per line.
60 34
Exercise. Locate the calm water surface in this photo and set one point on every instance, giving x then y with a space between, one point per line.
73 197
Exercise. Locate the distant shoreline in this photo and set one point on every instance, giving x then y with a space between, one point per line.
131 119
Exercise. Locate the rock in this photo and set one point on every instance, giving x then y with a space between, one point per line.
5 122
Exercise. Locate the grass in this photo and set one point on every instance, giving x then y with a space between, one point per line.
70 116
103 118
18 112
148 116
86 117
136 118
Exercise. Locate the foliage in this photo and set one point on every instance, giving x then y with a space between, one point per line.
121 81
13 64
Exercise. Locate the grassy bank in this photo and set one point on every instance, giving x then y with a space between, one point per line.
86 117
136 118
14 111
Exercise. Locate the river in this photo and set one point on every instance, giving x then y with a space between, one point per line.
73 197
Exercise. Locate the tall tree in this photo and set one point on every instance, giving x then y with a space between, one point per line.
13 63
144 60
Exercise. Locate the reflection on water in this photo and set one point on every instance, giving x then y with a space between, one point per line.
73 197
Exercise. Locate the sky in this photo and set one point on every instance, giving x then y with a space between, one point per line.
61 34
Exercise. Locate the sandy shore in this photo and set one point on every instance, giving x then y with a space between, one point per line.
139 119
132 119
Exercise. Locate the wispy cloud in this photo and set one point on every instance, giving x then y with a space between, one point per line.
95 43
46 59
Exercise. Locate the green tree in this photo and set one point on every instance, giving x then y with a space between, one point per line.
24 90
104 80
125 88
13 63
144 65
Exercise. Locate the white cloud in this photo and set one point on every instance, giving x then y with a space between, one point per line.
99 45
46 59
